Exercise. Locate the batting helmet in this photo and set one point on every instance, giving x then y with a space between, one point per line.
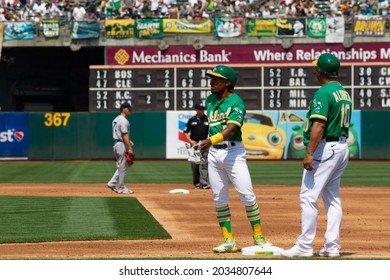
224 72
328 64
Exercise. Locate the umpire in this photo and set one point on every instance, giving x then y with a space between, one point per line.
196 129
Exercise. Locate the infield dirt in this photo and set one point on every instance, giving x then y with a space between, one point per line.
190 220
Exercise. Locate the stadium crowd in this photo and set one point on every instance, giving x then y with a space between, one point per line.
98 10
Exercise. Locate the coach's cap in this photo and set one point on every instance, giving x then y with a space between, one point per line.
224 72
328 64
125 105
199 106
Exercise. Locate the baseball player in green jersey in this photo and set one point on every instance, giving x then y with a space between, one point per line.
325 133
227 157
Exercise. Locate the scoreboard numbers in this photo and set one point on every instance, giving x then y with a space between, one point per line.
262 87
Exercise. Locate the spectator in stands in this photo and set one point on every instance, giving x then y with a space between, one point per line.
240 7
345 7
163 9
101 10
311 9
125 12
35 10
2 14
383 7
228 10
109 10
196 14
146 11
50 10
282 9
78 12
135 15
209 6
90 14
185 11
334 6
267 13
173 11
250 13
24 13
192 2
66 9
291 9
154 5
367 9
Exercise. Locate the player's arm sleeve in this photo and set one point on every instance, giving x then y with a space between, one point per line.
319 108
236 116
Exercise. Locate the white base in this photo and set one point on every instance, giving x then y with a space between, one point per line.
179 191
261 250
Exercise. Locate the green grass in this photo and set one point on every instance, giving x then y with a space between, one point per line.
41 219
358 173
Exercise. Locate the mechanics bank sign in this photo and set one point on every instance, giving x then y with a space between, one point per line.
245 54
13 135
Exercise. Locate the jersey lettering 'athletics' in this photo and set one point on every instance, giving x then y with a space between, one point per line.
229 110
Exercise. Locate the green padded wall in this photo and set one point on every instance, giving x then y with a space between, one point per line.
375 134
88 136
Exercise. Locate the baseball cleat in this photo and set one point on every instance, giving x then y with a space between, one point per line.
324 253
205 187
296 252
228 246
125 191
259 240
112 188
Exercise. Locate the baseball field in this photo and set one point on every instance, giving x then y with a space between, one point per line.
63 210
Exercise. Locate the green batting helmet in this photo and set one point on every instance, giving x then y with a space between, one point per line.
328 64
224 72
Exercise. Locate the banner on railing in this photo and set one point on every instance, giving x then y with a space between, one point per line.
291 27
316 27
335 30
120 28
84 30
51 28
186 26
369 26
149 29
21 30
228 27
261 27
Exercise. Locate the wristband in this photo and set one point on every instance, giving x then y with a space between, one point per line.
217 138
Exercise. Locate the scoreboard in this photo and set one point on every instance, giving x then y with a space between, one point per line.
262 87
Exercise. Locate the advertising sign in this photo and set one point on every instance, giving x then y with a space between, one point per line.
14 135
250 54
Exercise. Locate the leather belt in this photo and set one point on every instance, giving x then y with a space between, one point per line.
225 146
334 139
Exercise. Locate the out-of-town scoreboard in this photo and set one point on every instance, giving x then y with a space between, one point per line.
262 87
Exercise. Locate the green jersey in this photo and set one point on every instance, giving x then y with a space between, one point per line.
332 104
220 113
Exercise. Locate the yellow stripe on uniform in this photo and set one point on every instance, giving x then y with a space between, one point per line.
234 122
321 117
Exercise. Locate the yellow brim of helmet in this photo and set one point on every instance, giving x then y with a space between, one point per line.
214 74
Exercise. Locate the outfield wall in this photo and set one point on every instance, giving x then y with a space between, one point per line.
158 135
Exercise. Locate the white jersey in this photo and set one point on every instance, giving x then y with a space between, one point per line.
120 125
